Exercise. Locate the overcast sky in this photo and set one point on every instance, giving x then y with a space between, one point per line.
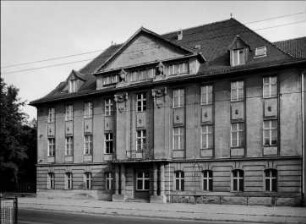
34 31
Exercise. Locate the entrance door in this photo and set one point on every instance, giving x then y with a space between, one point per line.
142 185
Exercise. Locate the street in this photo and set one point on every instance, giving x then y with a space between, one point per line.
46 217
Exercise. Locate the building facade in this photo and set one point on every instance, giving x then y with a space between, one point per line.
210 114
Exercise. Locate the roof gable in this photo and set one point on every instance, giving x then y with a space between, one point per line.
143 47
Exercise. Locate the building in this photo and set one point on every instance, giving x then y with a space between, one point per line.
209 114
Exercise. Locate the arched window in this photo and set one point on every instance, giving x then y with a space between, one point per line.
271 180
207 180
237 180
179 180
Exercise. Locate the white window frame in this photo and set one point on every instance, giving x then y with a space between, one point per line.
88 144
178 138
270 130
88 110
51 180
68 112
51 115
206 95
270 178
236 59
109 143
51 147
68 145
237 91
269 83
179 177
72 85
108 107
87 181
143 178
141 140
178 98
240 132
141 102
239 178
108 181
68 181
207 136
207 176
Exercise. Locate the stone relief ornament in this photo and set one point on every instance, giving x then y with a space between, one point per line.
158 96
122 75
120 99
160 70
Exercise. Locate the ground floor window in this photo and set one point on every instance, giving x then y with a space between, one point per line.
271 180
179 180
237 180
143 181
51 181
207 180
87 180
68 181
108 181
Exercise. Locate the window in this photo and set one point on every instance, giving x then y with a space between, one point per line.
237 180
207 137
108 80
51 181
88 144
178 98
68 181
179 180
143 181
207 180
51 147
69 113
271 180
72 85
51 115
237 135
141 102
88 110
140 75
261 51
108 181
140 140
87 180
269 86
108 107
238 57
176 69
69 146
270 133
109 144
178 138
237 91
206 95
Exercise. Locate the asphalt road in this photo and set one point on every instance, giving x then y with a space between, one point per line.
50 217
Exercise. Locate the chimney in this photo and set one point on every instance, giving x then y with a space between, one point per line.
180 35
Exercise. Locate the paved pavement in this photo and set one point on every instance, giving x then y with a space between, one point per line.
238 213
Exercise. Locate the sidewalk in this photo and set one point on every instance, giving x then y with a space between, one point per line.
239 213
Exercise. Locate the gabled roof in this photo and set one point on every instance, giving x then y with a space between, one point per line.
211 40
295 47
140 31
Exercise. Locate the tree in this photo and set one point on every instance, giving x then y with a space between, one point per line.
14 136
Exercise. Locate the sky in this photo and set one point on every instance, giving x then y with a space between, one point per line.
44 30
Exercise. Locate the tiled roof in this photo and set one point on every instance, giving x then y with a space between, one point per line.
295 47
212 40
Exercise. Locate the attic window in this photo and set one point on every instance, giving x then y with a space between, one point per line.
238 56
72 85
261 51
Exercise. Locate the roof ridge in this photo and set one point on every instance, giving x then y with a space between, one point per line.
193 27
304 37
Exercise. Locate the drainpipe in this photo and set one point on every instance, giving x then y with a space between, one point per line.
303 141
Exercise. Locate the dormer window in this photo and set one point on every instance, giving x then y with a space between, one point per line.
238 56
72 85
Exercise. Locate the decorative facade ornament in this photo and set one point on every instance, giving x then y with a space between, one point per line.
160 71
158 96
122 75
120 99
